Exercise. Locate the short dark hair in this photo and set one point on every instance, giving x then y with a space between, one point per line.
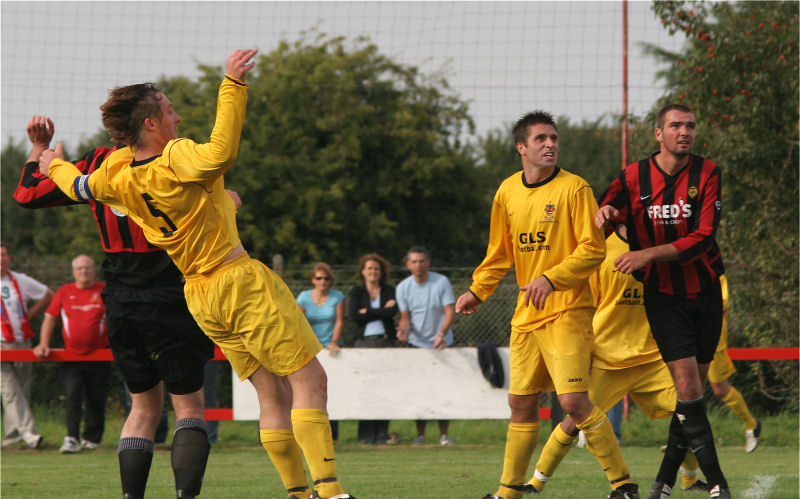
384 264
538 117
126 109
671 107
418 249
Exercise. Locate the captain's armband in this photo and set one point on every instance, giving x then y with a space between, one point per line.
81 188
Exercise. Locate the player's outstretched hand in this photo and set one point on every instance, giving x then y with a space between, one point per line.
40 131
536 292
632 260
605 214
48 156
467 304
239 63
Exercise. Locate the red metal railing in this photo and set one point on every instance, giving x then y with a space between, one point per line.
226 414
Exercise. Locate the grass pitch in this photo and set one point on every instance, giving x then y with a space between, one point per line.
403 471
239 468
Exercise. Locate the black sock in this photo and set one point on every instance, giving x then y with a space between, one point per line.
135 456
697 431
674 453
190 449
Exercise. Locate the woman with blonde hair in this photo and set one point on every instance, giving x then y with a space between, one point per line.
324 307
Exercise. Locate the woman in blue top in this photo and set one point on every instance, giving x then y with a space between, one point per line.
324 308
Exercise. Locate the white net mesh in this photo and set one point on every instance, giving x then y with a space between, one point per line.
505 58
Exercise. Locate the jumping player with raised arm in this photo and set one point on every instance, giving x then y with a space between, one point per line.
671 204
155 341
541 224
174 189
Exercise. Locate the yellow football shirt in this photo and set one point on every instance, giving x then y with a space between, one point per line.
723 338
542 229
177 198
622 335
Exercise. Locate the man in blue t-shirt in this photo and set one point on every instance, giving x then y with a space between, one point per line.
427 309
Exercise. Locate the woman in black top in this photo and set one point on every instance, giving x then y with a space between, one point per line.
372 306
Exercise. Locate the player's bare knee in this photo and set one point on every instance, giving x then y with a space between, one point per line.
144 416
721 390
321 392
688 389
311 377
524 408
579 413
576 405
322 382
189 405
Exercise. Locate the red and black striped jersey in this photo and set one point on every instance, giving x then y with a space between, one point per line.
683 210
130 259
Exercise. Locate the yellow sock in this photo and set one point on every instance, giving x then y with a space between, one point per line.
601 442
737 404
285 456
690 470
521 440
312 430
553 453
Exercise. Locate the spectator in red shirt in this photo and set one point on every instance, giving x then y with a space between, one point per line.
83 317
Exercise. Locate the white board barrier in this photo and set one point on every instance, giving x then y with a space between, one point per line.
400 383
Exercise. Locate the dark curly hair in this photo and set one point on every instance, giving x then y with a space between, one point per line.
384 264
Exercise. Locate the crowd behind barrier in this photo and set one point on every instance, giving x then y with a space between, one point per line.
490 325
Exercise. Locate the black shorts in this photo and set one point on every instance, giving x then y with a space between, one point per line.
154 337
685 327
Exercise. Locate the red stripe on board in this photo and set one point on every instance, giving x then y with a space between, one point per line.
56 354
61 355
219 414
227 414
791 353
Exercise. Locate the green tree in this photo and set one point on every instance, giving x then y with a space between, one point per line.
18 228
345 152
739 72
57 234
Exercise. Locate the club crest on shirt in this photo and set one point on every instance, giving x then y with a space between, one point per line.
117 212
692 191
549 212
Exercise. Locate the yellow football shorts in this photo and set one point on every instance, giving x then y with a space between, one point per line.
250 313
556 356
649 385
721 367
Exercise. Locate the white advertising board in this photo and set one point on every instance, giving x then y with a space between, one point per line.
400 383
